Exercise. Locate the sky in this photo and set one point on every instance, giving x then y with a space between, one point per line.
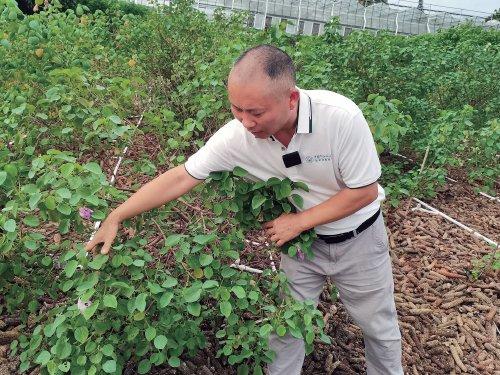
487 6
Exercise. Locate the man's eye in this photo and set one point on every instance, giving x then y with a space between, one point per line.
258 114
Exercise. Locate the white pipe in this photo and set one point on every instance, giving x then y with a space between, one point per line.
477 234
298 17
419 208
245 268
489 196
364 19
265 13
273 267
397 25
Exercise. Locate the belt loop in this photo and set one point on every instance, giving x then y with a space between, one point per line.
355 232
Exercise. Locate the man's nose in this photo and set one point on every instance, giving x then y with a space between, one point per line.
247 121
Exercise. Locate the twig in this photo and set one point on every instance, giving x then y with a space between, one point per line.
182 214
161 230
187 204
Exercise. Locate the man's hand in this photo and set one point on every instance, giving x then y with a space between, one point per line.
284 228
105 235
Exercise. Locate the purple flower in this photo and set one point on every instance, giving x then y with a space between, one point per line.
85 212
300 254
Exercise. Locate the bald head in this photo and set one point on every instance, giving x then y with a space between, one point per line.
264 63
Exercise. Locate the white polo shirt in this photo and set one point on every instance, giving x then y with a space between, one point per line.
334 143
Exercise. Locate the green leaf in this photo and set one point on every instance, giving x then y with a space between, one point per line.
240 172
70 268
31 221
150 333
98 261
174 362
109 300
140 302
309 337
210 284
299 201
205 259
173 240
239 291
257 201
93 167
64 209
43 358
67 285
115 119
34 199
64 193
281 330
192 294
144 366
65 366
301 185
108 350
169 282
62 348
81 334
165 299
203 239
9 226
265 330
66 169
109 366
285 189
50 202
3 177
225 308
194 309
89 311
160 342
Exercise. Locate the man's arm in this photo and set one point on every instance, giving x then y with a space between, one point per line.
163 189
343 204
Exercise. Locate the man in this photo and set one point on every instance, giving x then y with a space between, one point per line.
322 139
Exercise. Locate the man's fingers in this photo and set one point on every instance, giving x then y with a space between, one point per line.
90 245
269 224
106 247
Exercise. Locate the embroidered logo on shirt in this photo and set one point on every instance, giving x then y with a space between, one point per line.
317 158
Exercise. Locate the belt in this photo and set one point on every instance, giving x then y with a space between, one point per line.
336 238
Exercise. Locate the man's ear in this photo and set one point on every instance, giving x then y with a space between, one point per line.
294 98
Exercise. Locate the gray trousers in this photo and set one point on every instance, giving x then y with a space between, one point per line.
361 270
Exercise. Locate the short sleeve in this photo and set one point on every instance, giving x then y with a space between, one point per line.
214 156
358 159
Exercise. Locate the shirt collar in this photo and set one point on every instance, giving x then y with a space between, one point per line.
304 124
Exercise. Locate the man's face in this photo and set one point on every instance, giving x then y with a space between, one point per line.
262 110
